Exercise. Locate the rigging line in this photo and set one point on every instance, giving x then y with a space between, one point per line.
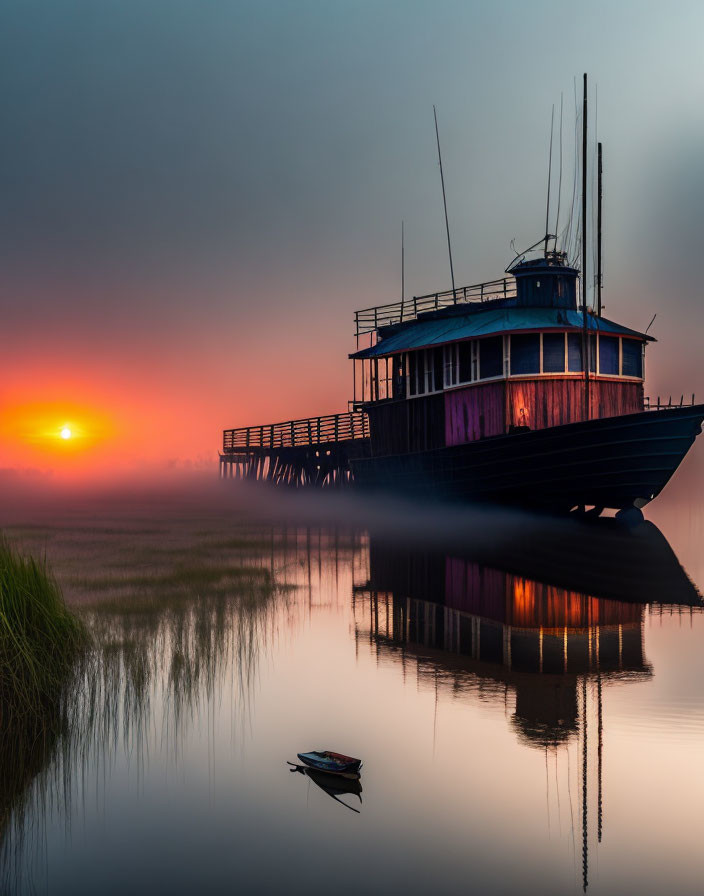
585 808
600 226
586 360
568 236
435 714
577 239
444 202
403 269
600 757
596 207
569 795
557 790
575 175
547 204
547 789
559 182
575 248
577 209
592 209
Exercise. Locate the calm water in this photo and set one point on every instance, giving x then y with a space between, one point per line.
519 733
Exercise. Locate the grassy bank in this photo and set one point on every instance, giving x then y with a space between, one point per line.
39 638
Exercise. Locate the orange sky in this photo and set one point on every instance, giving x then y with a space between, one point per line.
186 238
165 408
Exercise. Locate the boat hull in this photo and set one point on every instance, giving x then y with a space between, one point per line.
331 763
615 462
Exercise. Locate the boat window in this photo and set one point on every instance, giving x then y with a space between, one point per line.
553 352
525 353
465 353
450 363
425 372
491 357
632 358
449 366
436 379
574 352
592 353
413 372
608 355
399 384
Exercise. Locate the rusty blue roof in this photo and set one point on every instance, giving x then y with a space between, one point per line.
440 330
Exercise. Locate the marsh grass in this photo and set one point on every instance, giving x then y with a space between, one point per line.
40 638
180 624
182 616
176 642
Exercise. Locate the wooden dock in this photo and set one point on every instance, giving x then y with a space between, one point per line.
312 452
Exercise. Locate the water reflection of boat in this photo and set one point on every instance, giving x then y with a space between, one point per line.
335 785
531 630
485 631
601 558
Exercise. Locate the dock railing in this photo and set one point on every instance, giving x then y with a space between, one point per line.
295 433
369 319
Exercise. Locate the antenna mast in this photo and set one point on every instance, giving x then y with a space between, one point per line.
559 183
547 204
444 202
599 275
585 319
403 265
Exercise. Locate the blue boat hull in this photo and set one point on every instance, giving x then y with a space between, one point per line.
615 462
319 762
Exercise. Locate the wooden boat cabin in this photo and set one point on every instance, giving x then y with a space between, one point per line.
488 360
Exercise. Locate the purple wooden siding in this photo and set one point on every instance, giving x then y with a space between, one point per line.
476 589
474 413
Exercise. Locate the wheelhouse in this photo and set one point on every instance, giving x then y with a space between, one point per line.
488 361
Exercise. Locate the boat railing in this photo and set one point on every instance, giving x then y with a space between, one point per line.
369 319
295 433
655 404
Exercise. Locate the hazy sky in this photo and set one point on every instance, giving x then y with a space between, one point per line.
196 196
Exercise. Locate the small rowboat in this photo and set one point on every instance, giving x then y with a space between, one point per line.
333 763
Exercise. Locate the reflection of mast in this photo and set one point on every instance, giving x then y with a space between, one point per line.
585 769
599 753
585 808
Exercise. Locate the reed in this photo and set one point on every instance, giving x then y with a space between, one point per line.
40 639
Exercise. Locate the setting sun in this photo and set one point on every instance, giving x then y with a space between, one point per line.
57 435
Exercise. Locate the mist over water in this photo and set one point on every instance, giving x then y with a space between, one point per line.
498 672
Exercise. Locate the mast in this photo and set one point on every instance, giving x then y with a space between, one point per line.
600 756
585 319
559 183
547 204
444 202
403 267
585 804
600 172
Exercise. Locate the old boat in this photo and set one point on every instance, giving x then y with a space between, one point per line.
486 397
330 762
481 394
512 391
